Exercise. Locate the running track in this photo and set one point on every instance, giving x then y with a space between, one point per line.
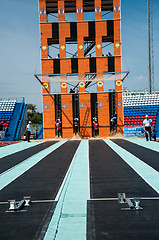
74 186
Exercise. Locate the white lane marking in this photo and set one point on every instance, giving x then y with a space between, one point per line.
17 147
15 172
147 173
115 199
152 145
68 171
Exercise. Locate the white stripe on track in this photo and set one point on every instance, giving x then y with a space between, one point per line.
11 174
16 147
147 173
65 178
152 145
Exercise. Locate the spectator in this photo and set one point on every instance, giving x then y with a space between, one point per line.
36 134
147 126
153 134
28 131
1 127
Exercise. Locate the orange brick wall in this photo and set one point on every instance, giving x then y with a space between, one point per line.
48 117
65 67
46 32
83 64
64 32
103 114
42 6
119 110
61 17
101 30
85 115
83 67
67 116
47 66
98 5
79 4
116 14
82 31
102 66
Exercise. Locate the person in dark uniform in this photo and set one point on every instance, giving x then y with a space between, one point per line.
114 122
1 127
95 127
76 125
58 127
153 134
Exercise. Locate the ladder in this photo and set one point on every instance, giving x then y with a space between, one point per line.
84 132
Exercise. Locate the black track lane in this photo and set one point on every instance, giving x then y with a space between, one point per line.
16 158
25 225
107 221
110 175
41 182
44 179
146 155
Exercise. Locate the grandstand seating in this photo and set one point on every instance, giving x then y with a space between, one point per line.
141 100
6 112
11 118
137 106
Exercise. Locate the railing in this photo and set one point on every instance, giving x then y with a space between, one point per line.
18 99
20 121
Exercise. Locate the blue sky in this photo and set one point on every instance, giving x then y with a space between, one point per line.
20 47
134 43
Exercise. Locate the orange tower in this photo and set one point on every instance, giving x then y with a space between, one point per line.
74 34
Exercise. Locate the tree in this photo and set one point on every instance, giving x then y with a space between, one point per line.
33 115
31 108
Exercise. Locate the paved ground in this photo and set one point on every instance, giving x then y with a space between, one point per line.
74 187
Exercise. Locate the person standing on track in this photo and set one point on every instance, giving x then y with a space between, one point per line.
153 134
76 124
28 131
96 127
147 123
114 122
58 127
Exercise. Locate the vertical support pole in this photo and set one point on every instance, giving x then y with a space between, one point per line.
117 54
149 45
48 103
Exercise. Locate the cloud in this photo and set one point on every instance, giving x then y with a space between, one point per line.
135 82
140 77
